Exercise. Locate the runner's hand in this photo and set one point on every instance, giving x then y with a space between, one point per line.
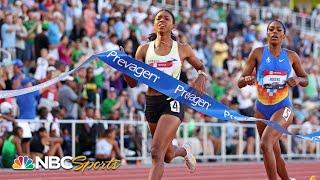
293 81
200 84
250 80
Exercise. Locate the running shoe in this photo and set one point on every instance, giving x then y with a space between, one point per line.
189 158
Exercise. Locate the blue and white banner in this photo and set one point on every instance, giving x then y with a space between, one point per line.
167 85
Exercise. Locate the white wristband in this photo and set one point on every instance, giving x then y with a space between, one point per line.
202 73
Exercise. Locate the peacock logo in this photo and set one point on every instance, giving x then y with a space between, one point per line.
23 162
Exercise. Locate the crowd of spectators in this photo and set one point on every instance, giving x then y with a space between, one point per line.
46 38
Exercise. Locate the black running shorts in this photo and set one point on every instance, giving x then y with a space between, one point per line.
159 105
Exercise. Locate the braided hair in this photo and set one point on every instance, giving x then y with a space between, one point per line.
153 36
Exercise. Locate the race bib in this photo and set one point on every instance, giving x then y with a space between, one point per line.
175 106
274 79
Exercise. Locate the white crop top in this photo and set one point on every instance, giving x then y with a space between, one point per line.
169 64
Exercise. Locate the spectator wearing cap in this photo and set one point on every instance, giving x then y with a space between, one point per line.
41 40
7 122
50 95
8 34
52 92
27 104
119 25
21 35
18 75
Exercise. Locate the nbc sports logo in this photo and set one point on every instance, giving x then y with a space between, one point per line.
23 162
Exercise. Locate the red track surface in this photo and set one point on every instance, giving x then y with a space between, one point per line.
215 171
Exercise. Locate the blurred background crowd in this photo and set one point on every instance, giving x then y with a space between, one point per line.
47 37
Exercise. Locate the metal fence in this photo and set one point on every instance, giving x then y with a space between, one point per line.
223 129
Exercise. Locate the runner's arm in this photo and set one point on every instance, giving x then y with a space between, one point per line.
140 55
246 78
302 77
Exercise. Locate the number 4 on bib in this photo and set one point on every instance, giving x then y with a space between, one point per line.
175 106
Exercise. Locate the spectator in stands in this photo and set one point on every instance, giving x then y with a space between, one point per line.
31 23
311 91
50 94
220 49
107 147
21 35
68 98
78 31
18 75
27 110
43 145
89 15
85 134
140 104
90 86
112 44
132 140
108 104
245 98
76 51
299 113
308 128
41 40
8 34
12 147
55 29
7 121
64 50
42 65
27 103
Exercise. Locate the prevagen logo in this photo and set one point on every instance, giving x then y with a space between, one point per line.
137 71
195 99
23 162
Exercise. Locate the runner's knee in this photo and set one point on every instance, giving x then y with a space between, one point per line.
157 154
266 145
168 157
